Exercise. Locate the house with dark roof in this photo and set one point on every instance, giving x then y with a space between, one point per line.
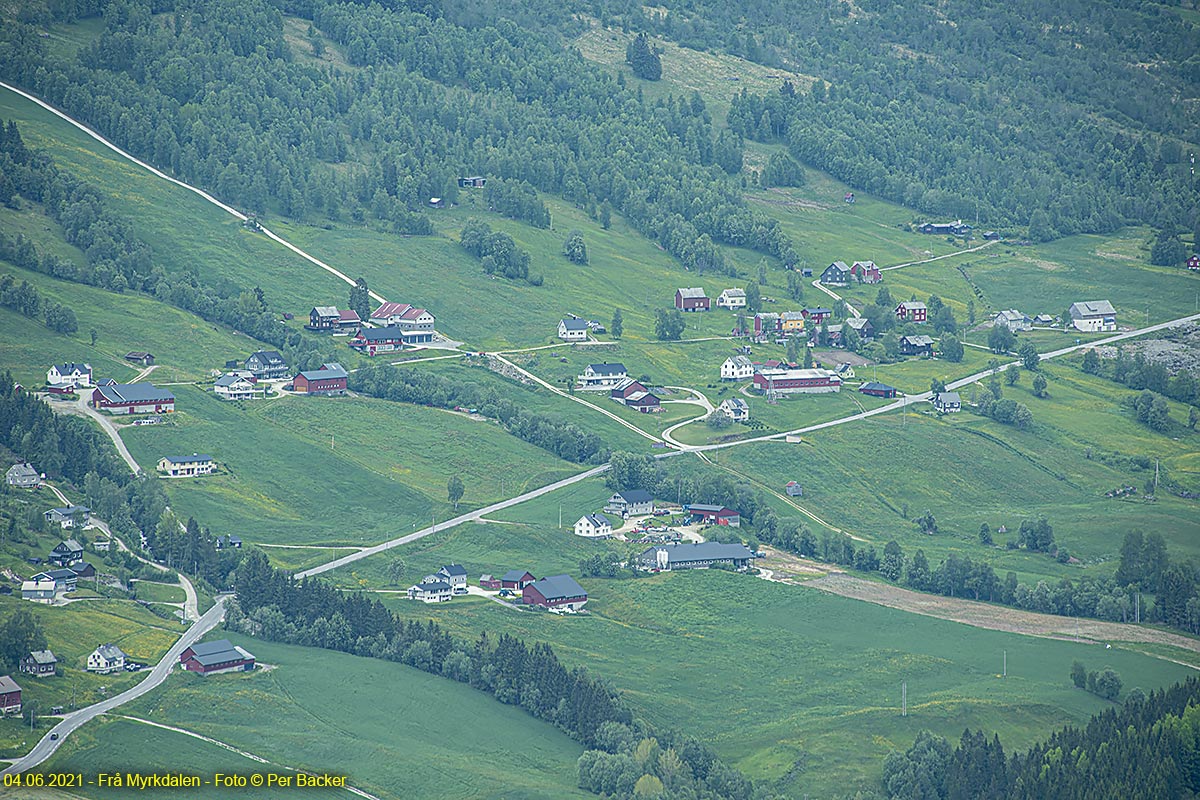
916 345
133 398
330 379
666 557
431 590
1193 262
836 274
456 576
713 515
692 299
348 318
573 330
516 579
10 696
69 376
956 228
267 365
556 592
370 341
105 659
185 466
601 377
947 402
140 357
39 663
876 389
593 526
64 578
66 552
213 658
82 569
630 503
22 476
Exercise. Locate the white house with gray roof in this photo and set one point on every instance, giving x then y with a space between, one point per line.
593 526
105 659
572 330
431 590
1093 316
22 476
601 377
69 376
737 368
455 575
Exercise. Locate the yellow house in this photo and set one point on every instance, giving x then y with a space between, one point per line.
791 322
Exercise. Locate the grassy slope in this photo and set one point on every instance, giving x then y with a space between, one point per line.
781 683
72 632
390 464
327 713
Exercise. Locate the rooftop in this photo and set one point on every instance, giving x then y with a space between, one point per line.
558 587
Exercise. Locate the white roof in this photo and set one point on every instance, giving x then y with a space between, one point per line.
734 293
693 292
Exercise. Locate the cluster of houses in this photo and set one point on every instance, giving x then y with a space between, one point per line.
66 557
956 228
1090 316
556 592
621 388
838 274
391 327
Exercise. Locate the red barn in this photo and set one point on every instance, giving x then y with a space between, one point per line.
210 658
1193 261
692 300
714 515
557 591
488 582
329 379
797 381
10 696
516 579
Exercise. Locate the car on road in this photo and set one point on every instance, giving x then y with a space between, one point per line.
53 736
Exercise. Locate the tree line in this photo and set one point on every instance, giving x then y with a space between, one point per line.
562 438
1144 748
272 605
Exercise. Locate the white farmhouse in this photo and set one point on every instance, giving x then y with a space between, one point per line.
737 368
593 526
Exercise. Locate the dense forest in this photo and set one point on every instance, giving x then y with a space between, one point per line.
623 752
214 93
1063 117
1147 748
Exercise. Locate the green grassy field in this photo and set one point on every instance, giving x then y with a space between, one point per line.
278 469
154 592
781 683
185 346
392 730
72 632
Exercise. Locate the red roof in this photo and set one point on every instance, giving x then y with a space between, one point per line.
348 316
392 310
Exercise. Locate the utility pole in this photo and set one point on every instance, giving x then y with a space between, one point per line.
1005 673
1156 477
904 699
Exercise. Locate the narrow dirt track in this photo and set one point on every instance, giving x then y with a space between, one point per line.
997 618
